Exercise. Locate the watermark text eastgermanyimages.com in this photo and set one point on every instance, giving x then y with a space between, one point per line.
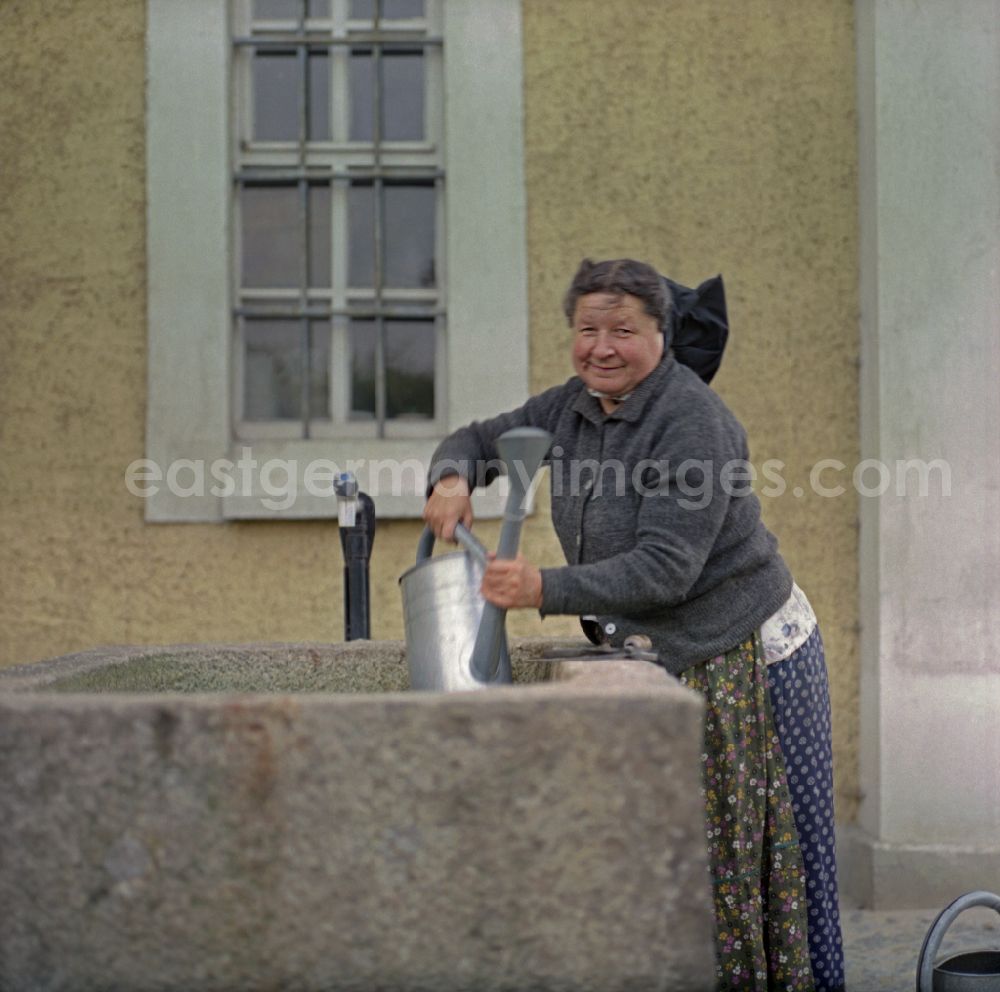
278 482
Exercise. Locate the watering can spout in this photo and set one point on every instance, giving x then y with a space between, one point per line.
522 450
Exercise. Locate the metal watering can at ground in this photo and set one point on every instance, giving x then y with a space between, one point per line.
454 639
970 971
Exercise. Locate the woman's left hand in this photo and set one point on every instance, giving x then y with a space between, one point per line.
512 583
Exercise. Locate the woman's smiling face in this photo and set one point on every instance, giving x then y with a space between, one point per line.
616 344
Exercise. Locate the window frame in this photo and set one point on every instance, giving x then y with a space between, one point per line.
191 435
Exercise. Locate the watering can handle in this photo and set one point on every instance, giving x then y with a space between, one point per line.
463 535
932 942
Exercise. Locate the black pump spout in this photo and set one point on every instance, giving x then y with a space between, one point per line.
356 516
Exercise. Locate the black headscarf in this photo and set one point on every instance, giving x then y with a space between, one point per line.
697 325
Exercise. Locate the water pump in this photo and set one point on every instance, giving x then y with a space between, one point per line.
356 516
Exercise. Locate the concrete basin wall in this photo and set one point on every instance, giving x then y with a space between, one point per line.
153 835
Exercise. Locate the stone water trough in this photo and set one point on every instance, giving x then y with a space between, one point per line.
290 817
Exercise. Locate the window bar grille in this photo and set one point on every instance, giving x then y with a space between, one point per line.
378 194
320 312
354 40
302 60
304 176
280 175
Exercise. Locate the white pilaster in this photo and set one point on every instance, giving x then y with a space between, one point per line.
929 169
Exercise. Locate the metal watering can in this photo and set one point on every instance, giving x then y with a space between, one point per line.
970 971
454 639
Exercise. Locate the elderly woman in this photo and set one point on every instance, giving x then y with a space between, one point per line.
663 538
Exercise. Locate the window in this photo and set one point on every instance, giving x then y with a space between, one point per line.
319 175
339 314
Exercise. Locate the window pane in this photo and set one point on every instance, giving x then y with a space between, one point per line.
272 385
272 239
362 338
409 363
319 96
361 234
277 10
402 96
277 90
319 369
400 9
409 236
319 236
361 83
364 10
318 8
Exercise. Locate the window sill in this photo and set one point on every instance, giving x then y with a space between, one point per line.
281 480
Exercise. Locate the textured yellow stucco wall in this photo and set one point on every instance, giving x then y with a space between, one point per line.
702 135
719 136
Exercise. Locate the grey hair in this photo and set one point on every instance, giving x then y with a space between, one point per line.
619 276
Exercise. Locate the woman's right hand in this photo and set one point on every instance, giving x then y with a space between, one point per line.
449 503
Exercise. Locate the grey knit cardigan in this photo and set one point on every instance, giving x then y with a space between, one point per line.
653 507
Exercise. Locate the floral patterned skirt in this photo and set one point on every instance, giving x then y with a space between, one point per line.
753 847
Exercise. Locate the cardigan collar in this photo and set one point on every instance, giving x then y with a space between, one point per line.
632 408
